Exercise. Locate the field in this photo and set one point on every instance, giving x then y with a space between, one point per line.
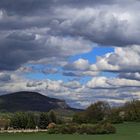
126 131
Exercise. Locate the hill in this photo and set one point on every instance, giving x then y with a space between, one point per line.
30 101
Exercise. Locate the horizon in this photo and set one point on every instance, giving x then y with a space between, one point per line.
60 99
75 50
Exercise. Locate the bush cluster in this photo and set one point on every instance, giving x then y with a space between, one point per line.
103 128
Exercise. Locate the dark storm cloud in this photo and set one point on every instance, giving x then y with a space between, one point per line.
21 36
103 28
21 47
40 29
26 7
15 52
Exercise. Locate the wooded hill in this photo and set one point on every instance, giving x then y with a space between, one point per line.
30 101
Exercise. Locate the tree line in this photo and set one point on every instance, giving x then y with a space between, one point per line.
29 120
102 111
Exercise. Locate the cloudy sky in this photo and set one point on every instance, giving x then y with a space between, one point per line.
78 50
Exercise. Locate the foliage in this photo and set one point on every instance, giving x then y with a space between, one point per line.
132 111
93 114
102 128
79 118
97 112
51 125
31 123
28 120
22 120
64 129
19 120
52 116
105 128
115 116
4 123
43 121
125 131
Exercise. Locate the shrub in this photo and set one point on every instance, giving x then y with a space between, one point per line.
103 128
4 124
86 129
69 129
51 125
55 130
82 129
64 129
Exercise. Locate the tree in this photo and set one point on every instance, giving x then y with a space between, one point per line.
19 120
94 113
52 116
115 116
132 110
31 123
43 121
22 120
79 118
97 112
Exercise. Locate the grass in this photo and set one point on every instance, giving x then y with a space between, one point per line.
126 131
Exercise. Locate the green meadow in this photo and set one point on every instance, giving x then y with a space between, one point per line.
125 131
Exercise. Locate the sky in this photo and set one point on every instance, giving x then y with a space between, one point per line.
82 51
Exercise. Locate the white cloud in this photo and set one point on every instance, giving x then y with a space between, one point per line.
123 59
80 64
98 82
104 82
